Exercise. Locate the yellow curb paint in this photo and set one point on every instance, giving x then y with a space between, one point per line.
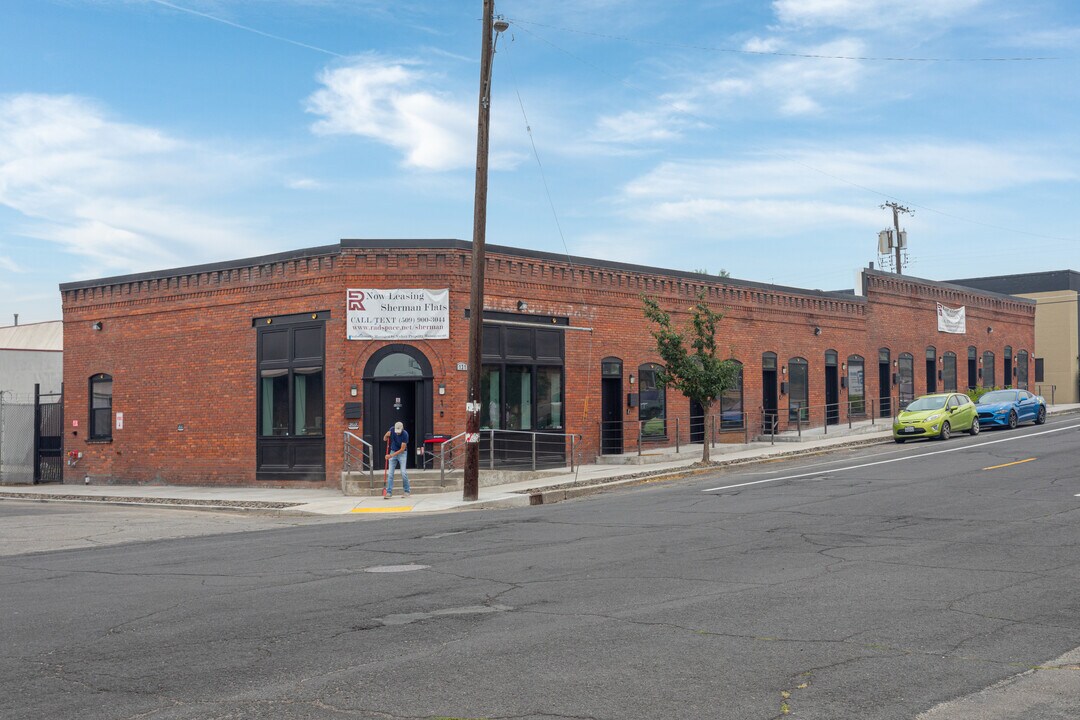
399 508
1018 462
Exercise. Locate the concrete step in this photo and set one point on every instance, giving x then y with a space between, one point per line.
423 482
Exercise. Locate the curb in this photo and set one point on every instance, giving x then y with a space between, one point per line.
568 491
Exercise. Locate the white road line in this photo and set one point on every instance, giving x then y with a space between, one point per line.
884 452
818 473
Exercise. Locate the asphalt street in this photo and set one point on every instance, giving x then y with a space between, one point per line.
885 582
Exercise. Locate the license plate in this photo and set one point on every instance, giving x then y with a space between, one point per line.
908 430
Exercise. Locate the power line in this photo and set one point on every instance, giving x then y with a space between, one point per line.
776 53
246 28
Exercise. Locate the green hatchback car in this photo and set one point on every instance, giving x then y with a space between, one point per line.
939 415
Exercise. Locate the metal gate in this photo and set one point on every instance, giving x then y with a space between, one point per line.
48 436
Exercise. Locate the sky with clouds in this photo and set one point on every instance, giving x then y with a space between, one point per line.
753 136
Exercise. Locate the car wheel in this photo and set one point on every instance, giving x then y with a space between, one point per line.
1013 420
946 431
898 441
1040 418
975 427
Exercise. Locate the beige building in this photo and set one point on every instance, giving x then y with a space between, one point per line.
1057 327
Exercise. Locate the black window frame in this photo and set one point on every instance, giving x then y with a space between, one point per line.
93 433
661 390
728 395
802 410
853 361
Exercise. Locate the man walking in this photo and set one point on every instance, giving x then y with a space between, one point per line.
399 445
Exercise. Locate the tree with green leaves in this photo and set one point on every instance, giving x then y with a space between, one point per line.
689 358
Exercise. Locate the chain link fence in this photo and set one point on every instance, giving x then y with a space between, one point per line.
16 439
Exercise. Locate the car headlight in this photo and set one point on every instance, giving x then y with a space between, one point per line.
932 418
1001 411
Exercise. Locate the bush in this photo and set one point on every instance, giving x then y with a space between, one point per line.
976 393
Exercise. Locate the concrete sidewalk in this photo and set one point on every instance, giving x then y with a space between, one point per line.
584 480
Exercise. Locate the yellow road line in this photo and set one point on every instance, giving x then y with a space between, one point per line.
398 508
1018 462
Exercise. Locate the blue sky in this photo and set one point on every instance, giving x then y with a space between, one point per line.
705 134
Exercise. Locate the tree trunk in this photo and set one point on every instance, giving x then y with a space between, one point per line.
707 426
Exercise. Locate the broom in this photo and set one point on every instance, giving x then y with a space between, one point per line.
386 468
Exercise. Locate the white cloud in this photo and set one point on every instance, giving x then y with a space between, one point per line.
869 14
634 127
303 184
765 195
9 265
394 103
118 194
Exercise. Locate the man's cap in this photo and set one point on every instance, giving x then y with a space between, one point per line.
398 427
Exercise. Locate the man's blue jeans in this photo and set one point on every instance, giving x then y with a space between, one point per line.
396 461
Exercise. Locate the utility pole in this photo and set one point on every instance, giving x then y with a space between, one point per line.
897 208
471 488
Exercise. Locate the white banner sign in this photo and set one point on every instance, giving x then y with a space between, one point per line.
398 314
951 320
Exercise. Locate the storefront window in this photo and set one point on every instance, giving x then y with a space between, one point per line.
731 403
798 389
549 406
948 371
988 370
274 387
308 401
490 398
653 399
519 397
856 383
906 369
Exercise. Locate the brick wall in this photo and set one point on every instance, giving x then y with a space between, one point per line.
182 349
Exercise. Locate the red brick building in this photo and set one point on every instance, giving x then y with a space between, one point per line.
242 372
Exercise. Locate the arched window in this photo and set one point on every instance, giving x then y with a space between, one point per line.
905 368
1022 369
101 394
731 403
798 389
652 410
398 365
931 369
1007 379
988 375
948 371
856 383
973 363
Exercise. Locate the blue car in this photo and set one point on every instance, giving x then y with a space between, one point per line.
1009 408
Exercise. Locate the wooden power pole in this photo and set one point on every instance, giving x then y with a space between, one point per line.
471 489
897 208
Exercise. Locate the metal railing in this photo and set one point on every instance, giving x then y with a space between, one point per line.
359 457
674 432
512 450
1053 392
848 412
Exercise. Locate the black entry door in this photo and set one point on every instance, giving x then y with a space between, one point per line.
397 403
832 395
697 422
885 389
611 436
768 398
